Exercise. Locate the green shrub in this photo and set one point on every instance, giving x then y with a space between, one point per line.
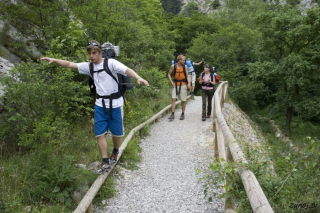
53 176
42 104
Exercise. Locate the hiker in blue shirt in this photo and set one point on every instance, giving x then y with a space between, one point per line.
192 73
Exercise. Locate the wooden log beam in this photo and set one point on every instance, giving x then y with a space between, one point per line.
86 202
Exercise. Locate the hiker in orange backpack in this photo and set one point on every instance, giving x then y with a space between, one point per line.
208 81
180 84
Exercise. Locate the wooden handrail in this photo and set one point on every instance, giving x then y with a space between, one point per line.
224 139
85 204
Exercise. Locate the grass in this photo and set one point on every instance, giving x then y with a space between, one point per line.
44 178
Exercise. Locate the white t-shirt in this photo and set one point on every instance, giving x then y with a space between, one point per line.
105 84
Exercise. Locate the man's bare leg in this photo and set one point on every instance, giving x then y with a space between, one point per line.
183 105
103 146
116 142
173 104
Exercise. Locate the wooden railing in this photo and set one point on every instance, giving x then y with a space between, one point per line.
85 204
227 148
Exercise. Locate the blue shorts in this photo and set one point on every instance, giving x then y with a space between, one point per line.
102 121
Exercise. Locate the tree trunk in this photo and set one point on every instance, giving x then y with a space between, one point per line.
288 123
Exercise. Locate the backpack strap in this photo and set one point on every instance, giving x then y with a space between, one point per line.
183 80
207 84
185 73
192 63
91 69
106 68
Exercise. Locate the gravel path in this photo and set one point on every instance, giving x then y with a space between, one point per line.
166 180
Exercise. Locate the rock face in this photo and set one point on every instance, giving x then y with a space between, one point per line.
13 33
205 5
5 65
305 4
8 59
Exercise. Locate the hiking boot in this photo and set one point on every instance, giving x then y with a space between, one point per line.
102 168
182 117
171 117
203 118
114 157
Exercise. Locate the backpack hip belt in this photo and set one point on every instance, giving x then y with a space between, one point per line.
183 80
207 85
110 97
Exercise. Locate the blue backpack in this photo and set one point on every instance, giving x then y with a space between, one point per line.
190 64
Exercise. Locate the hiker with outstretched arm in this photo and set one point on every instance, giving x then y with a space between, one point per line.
180 84
107 112
192 73
207 80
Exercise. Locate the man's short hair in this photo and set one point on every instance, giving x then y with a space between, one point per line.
180 57
93 45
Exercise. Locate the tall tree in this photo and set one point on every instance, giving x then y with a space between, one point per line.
187 28
286 61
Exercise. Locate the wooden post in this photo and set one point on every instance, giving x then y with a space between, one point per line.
90 208
213 116
226 93
222 96
215 141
